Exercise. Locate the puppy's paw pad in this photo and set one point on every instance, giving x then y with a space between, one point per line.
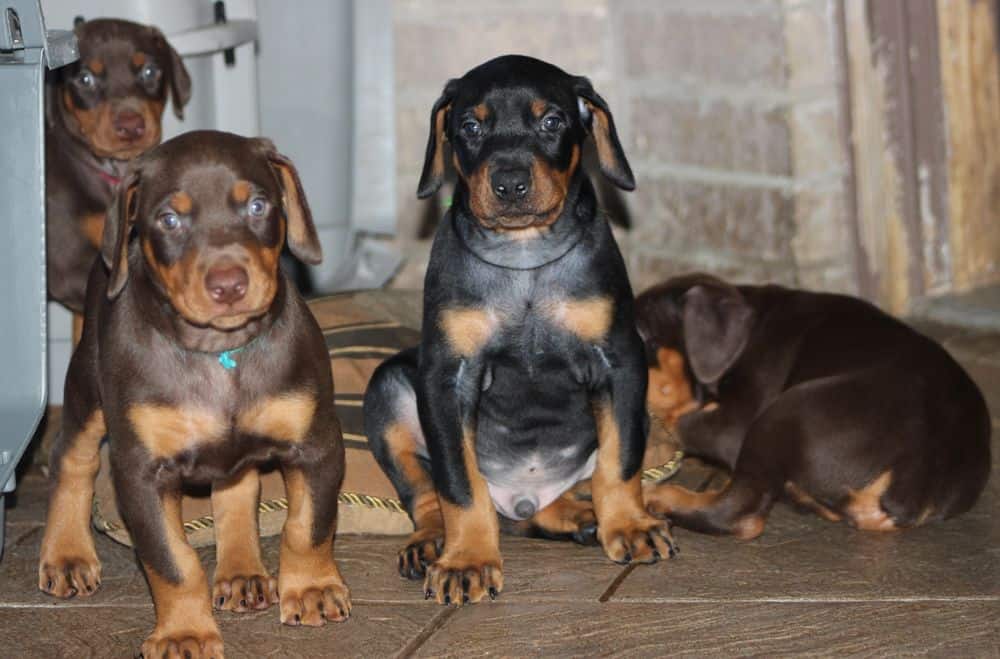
414 558
463 582
187 644
316 606
244 593
69 576
643 540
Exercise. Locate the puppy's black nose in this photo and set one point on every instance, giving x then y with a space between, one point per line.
227 285
511 184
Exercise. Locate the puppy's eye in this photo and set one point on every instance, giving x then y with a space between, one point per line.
148 73
87 79
552 123
169 220
257 207
471 128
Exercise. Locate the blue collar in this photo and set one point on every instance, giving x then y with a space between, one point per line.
226 357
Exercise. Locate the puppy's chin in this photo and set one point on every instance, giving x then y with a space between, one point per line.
222 321
525 221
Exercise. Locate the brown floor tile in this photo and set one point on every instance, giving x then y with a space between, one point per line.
951 629
102 631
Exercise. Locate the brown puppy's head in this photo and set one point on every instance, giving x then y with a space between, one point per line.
209 213
695 327
516 126
112 98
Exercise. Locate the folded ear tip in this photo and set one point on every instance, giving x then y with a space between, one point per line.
426 189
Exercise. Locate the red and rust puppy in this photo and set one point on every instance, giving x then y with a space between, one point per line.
817 398
200 361
530 376
102 111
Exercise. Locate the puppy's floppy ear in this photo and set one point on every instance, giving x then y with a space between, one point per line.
596 116
302 238
433 175
717 323
177 75
118 223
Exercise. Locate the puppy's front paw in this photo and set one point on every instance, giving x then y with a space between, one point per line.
422 549
193 643
462 581
69 575
313 605
242 593
643 539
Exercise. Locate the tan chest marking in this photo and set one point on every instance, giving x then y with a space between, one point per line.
286 418
468 330
167 430
589 319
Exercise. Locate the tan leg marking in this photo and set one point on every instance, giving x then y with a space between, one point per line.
310 587
184 621
470 567
664 499
588 319
241 581
286 417
166 431
804 499
626 531
424 545
565 515
468 330
68 564
864 506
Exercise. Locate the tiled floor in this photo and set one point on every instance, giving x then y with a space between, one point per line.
805 586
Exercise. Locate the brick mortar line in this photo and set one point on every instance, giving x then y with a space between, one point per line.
824 181
696 88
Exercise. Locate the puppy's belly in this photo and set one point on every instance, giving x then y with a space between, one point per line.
522 489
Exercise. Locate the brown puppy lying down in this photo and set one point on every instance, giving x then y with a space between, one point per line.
816 398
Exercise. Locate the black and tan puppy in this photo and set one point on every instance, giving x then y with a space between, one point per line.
102 111
817 398
200 361
530 376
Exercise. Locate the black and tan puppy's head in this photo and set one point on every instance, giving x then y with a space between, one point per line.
695 328
208 213
112 98
516 126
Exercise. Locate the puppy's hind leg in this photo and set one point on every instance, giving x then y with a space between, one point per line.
397 442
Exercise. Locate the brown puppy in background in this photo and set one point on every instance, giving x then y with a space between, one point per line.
820 399
201 362
101 112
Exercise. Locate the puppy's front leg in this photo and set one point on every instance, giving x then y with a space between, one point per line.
626 531
151 509
470 566
310 587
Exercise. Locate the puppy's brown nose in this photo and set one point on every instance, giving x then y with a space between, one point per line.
129 125
227 285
